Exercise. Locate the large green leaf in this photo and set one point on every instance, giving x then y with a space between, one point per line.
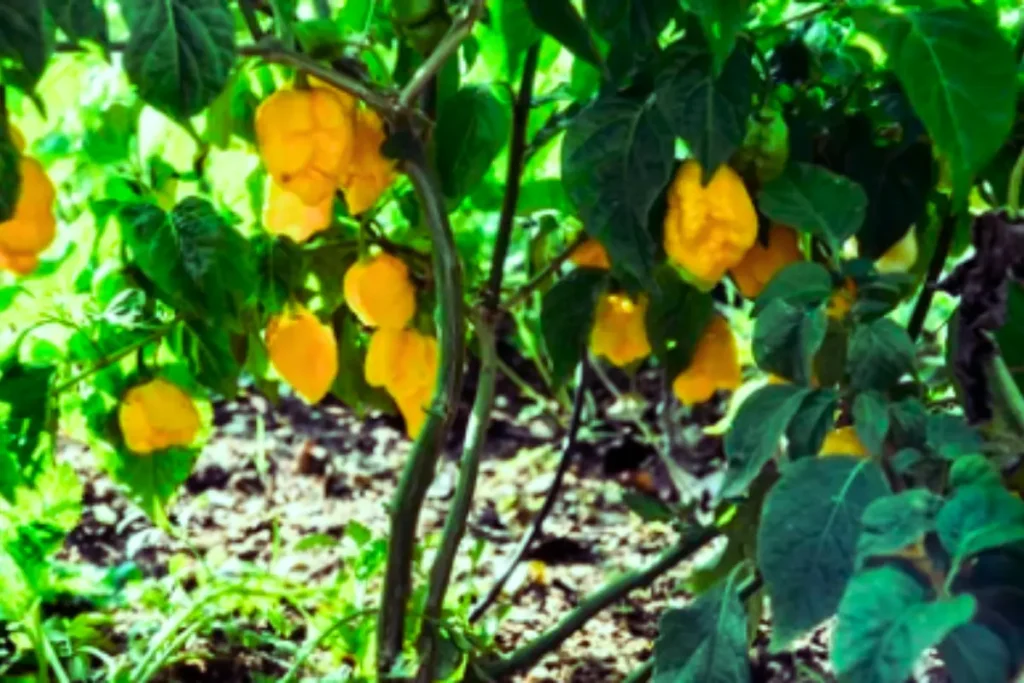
806 544
709 111
755 434
978 518
631 27
786 337
704 641
886 623
560 20
871 420
892 523
10 174
815 200
880 353
677 316
803 283
472 128
617 158
179 52
211 353
24 406
810 425
959 74
567 314
24 41
951 437
722 21
80 19
972 653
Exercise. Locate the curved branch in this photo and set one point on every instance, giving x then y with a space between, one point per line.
422 461
444 50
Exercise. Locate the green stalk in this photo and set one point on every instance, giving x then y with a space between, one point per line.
311 646
1013 191
422 461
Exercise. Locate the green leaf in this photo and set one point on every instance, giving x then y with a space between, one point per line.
871 420
801 284
676 319
786 337
951 437
80 19
886 624
816 201
631 27
807 540
24 40
560 20
179 52
472 128
974 469
24 405
978 518
566 316
709 111
880 353
812 422
617 157
761 421
154 479
722 21
211 353
704 641
1010 336
513 22
892 523
959 74
648 508
972 653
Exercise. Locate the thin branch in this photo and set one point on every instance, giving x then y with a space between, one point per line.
460 28
568 451
113 358
455 523
251 21
526 290
422 461
935 266
513 179
642 673
528 655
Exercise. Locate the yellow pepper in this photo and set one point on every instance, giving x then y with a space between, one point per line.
715 365
619 332
284 213
379 292
901 256
404 362
842 300
760 263
33 226
370 173
591 254
843 441
157 415
303 351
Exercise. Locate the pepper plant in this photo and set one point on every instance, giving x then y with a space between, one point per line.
364 198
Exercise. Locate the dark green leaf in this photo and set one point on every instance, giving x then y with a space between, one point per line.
812 422
801 284
871 419
815 200
631 27
24 40
24 404
617 157
892 523
886 624
567 314
908 422
708 111
880 354
676 318
704 641
10 173
179 52
959 74
560 20
806 544
786 337
974 469
152 480
472 128
951 437
972 653
648 508
755 434
80 19
722 21
979 517
211 355
1010 336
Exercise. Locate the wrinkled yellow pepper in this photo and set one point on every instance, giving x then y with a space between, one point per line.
901 256
715 365
305 138
303 351
404 363
379 292
591 254
157 415
760 263
619 332
708 229
843 441
284 213
32 227
369 173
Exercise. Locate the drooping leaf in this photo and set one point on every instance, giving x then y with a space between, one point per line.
24 41
472 128
808 538
786 337
756 431
617 158
871 420
812 422
80 19
814 200
709 111
881 352
979 518
560 20
959 74
179 52
803 283
886 623
972 653
677 316
567 314
892 523
704 641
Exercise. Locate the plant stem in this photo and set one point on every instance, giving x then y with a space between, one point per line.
540 278
455 523
513 178
1013 191
568 451
935 266
251 22
643 673
113 358
528 655
422 461
446 48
